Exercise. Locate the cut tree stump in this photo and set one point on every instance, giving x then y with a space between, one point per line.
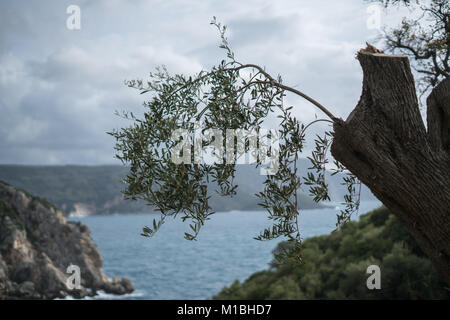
385 143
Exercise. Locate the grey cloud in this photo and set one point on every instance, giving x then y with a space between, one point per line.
59 88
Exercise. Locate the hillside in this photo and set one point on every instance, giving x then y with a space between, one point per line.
84 190
78 190
335 267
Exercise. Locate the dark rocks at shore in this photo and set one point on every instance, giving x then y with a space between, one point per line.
38 244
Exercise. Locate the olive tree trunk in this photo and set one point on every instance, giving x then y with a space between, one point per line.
385 143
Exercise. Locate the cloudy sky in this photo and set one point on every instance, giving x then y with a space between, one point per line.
59 88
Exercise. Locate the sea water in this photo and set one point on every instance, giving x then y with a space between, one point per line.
166 266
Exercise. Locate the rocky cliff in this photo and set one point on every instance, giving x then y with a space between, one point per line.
38 244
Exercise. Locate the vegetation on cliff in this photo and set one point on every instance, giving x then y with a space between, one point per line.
335 266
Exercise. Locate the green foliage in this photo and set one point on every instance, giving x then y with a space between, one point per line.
280 194
335 266
218 99
231 95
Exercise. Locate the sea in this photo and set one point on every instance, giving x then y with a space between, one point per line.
167 266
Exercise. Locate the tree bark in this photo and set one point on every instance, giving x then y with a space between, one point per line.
385 143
